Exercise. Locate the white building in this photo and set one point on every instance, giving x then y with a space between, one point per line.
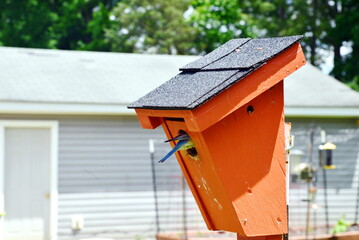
71 149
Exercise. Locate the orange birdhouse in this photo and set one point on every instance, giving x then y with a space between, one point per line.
231 104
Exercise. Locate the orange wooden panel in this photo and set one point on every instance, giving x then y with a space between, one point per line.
273 237
238 179
197 120
203 181
239 176
248 88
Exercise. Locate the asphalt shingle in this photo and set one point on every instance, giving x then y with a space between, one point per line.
222 86
216 54
208 76
253 52
183 90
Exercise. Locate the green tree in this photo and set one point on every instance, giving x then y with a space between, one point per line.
218 21
96 28
155 26
75 24
185 26
326 26
82 24
26 23
283 18
344 30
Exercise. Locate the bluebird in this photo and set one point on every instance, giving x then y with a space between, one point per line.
184 143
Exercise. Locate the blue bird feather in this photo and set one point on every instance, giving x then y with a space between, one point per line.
184 143
175 149
181 136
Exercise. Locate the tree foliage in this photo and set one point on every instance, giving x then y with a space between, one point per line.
328 26
344 30
76 24
155 26
82 24
185 26
26 23
285 18
218 21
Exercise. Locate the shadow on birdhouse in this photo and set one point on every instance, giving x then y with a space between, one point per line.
231 104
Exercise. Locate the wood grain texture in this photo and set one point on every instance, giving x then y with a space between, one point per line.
239 176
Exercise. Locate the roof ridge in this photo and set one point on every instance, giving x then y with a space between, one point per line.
208 76
217 54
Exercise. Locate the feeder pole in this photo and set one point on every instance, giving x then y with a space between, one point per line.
357 205
154 184
323 141
310 176
315 223
326 200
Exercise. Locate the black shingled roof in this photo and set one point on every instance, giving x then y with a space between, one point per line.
206 77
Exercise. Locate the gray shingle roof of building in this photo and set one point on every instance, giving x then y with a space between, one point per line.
82 77
77 77
309 87
208 76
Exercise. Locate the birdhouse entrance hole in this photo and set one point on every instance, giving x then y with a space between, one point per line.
192 152
250 109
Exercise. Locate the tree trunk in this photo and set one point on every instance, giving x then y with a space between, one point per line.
313 40
338 62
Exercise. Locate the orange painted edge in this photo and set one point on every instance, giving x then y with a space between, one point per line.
217 108
270 237
274 71
151 118
200 203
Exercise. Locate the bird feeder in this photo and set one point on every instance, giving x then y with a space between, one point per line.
307 172
326 155
295 164
231 103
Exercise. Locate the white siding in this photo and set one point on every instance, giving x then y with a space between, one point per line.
102 160
126 215
110 160
105 176
342 181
